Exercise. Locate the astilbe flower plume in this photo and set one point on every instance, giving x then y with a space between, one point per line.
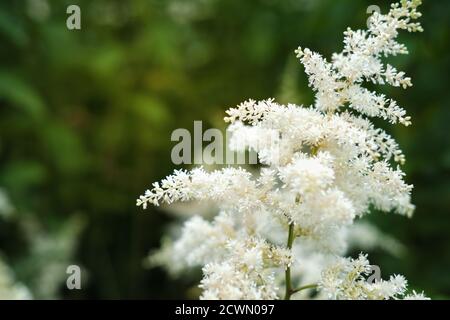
322 167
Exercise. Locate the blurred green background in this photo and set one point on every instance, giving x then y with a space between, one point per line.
86 117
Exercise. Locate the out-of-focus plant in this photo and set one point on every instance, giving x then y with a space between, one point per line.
50 253
42 267
9 288
322 168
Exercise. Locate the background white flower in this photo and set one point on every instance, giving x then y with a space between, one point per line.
323 166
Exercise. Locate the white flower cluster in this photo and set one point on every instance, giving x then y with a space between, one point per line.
347 280
323 166
244 272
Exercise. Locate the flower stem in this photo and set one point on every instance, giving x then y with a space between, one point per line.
290 241
308 286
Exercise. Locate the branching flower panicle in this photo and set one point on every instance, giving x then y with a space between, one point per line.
322 167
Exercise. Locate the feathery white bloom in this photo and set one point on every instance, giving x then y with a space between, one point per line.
308 174
322 167
223 281
245 271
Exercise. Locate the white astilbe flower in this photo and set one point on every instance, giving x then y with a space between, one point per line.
338 82
322 167
200 240
245 271
308 174
224 281
203 242
348 279
230 186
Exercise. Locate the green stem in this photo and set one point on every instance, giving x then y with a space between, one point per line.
308 286
290 241
291 237
289 290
